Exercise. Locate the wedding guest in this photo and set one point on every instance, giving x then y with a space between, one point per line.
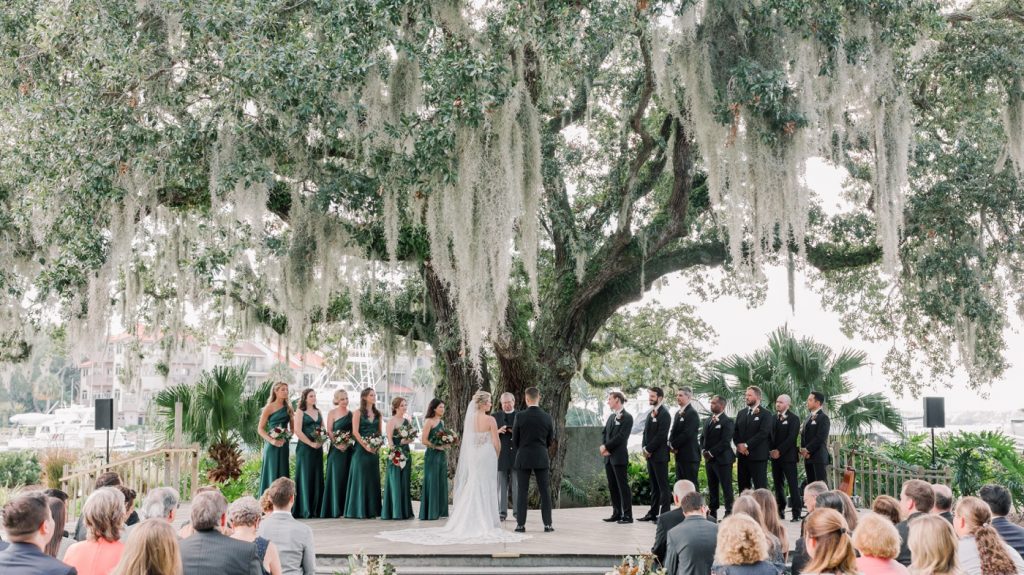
277 413
106 479
294 540
691 544
828 544
161 503
151 549
308 424
434 498
131 515
669 519
398 478
943 501
980 550
742 548
28 526
810 500
999 502
749 506
888 507
933 546
772 518
916 500
339 457
208 551
362 498
842 503
59 543
878 543
187 530
506 419
245 516
104 514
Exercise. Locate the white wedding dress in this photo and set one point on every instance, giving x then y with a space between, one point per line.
474 517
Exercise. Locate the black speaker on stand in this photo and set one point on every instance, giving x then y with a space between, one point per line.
105 419
934 416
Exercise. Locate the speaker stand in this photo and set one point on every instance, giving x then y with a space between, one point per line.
933 448
108 447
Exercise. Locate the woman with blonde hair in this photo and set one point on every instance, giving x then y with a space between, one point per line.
277 413
104 514
828 543
878 543
932 544
152 549
980 549
748 505
772 521
742 548
245 515
339 457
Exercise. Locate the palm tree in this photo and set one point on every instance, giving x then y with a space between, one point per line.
218 415
796 367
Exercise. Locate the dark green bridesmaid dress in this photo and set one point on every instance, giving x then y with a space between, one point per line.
338 463
434 501
398 483
275 459
362 498
309 472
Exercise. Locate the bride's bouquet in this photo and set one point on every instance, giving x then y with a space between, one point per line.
278 432
447 437
374 441
398 458
343 439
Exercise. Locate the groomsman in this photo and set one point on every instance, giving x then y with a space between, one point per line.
752 437
616 458
684 439
716 445
784 457
814 439
506 419
655 449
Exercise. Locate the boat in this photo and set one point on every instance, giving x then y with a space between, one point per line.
70 427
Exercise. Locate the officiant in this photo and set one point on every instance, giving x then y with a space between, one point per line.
506 419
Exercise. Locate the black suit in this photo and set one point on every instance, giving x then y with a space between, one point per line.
27 559
506 459
616 464
814 438
753 427
206 552
784 468
656 445
1012 533
666 521
684 439
716 444
533 434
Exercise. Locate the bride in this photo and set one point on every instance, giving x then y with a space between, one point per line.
474 517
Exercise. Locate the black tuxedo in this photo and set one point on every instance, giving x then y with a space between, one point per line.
27 559
506 460
615 436
656 445
684 439
786 427
753 427
814 438
716 444
532 435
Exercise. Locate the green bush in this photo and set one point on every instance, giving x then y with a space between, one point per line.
19 468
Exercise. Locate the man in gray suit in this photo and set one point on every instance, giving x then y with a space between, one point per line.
208 550
691 544
294 540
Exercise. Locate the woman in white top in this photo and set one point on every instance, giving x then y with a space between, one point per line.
981 550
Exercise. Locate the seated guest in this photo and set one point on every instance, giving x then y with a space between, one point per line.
108 479
999 502
980 550
916 500
161 503
104 514
60 542
294 540
943 501
151 549
29 527
186 530
749 506
131 516
933 547
811 493
772 518
208 551
691 544
742 547
669 519
878 543
849 510
245 516
828 544
888 507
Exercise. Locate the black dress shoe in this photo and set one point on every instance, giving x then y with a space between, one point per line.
795 520
611 519
648 517
501 517
520 529
625 520
548 529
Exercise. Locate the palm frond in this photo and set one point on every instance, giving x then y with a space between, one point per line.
249 416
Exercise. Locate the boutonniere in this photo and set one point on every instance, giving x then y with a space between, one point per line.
757 410
618 416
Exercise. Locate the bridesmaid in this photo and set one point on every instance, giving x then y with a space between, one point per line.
362 499
276 413
434 501
398 480
309 457
339 459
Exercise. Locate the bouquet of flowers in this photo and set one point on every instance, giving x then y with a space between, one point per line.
447 437
319 435
398 458
343 439
374 442
405 432
366 565
279 432
637 565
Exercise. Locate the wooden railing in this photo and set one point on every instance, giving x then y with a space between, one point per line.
875 475
176 467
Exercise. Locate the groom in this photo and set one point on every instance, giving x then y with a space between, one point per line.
532 435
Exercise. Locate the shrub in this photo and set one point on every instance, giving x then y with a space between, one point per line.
53 464
19 468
